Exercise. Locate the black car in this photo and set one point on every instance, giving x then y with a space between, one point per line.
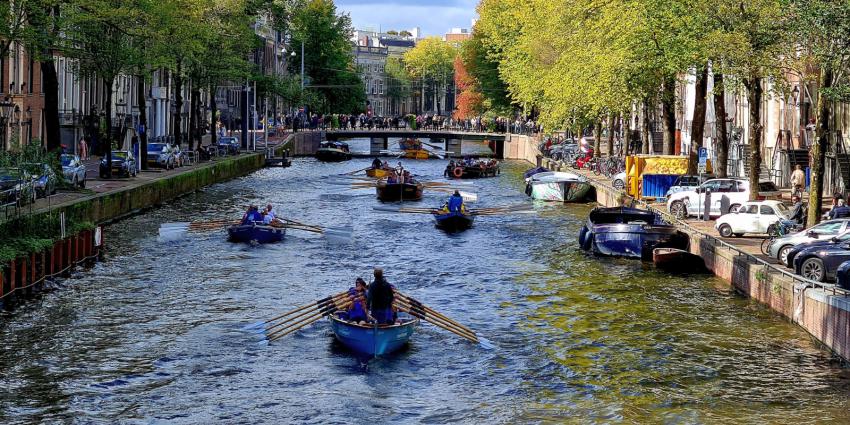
820 262
123 164
16 187
228 146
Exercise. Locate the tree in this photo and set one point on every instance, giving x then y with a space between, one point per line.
823 29
392 32
485 72
432 61
405 33
470 101
328 59
398 82
101 37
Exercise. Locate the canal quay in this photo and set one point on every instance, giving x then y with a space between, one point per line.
155 333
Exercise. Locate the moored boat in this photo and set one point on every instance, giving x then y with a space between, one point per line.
627 232
333 152
557 186
410 190
258 233
371 339
472 170
677 260
455 221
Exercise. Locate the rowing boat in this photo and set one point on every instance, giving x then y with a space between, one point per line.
377 173
416 154
455 221
333 152
372 339
393 192
258 233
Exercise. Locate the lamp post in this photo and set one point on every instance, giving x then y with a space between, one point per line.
6 108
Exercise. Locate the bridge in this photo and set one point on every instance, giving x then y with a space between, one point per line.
451 139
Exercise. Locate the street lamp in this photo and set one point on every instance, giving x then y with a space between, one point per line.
6 108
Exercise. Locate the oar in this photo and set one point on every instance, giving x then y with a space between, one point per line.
467 196
417 303
326 311
335 234
295 310
457 328
356 171
389 208
290 319
442 323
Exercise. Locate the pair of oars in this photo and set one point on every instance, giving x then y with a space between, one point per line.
517 209
421 311
334 233
284 324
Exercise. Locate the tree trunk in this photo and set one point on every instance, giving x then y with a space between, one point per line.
644 128
50 88
597 137
668 114
611 120
754 92
194 99
178 105
698 119
722 146
819 149
141 103
213 120
107 139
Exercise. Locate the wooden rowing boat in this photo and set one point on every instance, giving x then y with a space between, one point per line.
394 192
453 221
371 339
377 173
258 233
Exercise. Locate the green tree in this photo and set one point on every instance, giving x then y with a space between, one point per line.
328 59
485 71
432 62
398 82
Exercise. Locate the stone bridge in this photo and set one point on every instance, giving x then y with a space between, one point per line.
451 140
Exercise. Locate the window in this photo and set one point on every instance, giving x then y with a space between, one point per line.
766 210
375 87
381 86
829 228
726 186
713 186
751 209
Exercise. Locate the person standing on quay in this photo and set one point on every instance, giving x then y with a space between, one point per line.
84 149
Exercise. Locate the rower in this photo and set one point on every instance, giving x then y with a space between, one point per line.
268 214
252 215
357 310
376 163
455 202
379 299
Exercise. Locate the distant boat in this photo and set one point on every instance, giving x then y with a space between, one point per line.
627 232
371 339
475 170
557 186
678 260
258 233
333 152
453 221
411 190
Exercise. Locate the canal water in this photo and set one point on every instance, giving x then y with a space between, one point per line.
154 333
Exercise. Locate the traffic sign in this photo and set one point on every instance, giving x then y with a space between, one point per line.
703 160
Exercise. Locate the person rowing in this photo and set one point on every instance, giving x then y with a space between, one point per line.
357 294
376 163
252 216
268 215
455 203
379 299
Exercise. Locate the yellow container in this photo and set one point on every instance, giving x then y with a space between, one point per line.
638 165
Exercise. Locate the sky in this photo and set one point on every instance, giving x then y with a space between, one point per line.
434 17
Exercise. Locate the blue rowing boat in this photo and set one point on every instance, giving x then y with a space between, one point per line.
259 233
453 221
373 340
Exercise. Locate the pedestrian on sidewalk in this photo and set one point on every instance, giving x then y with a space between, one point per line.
84 149
798 180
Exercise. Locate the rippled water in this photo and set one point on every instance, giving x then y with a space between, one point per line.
153 334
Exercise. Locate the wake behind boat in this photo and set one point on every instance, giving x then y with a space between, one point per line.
557 186
627 232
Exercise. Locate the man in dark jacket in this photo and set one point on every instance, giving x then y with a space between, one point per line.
797 211
840 211
379 299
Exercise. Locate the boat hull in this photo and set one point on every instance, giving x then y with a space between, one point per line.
627 232
453 221
416 154
394 192
332 155
371 340
474 172
377 173
255 233
566 191
677 260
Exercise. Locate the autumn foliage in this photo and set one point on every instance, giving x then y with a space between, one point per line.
470 100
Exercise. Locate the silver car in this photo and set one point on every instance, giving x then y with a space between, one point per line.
780 246
73 170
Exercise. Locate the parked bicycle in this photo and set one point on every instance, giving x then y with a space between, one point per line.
777 230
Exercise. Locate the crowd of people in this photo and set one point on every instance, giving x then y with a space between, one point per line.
372 303
399 175
303 121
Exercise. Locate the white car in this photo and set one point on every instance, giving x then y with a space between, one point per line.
619 180
752 217
727 195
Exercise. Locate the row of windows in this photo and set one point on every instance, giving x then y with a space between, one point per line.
370 67
374 86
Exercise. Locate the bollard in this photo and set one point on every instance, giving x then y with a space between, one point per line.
22 282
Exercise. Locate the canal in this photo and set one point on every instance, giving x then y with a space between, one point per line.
154 333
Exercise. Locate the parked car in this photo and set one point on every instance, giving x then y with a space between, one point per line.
123 164
820 262
781 246
73 170
619 181
727 195
792 253
43 177
160 155
752 217
687 182
16 186
228 146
